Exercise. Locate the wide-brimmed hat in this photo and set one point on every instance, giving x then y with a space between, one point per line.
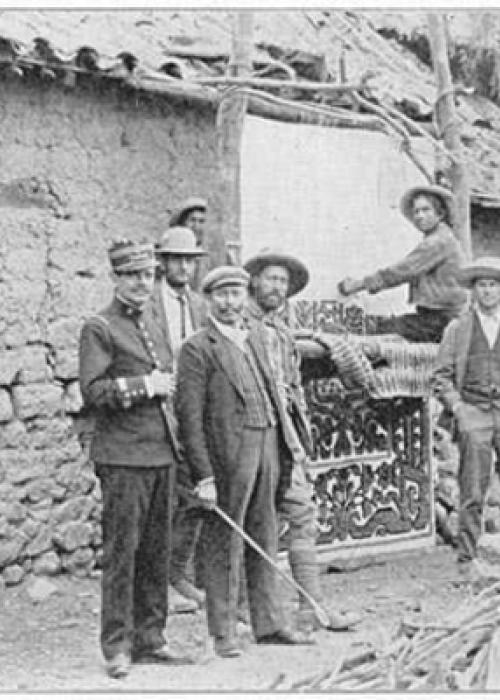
406 204
299 274
188 205
224 276
127 256
481 268
179 240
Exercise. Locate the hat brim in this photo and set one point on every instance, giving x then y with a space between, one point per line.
184 209
406 204
299 275
469 275
196 253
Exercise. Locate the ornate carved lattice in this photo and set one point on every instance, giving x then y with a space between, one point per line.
371 464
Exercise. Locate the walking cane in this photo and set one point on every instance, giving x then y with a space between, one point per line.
320 613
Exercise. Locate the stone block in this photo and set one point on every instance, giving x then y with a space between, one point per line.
96 535
41 543
43 488
42 510
73 401
10 550
12 575
29 529
41 589
13 434
6 409
21 466
5 528
47 564
63 335
49 432
25 365
79 563
78 508
15 512
37 400
72 535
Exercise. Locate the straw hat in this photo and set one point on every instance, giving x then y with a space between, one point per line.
299 274
406 204
481 268
179 240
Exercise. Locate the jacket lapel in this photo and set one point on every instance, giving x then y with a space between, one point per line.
225 358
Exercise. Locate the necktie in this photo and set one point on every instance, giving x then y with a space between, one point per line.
182 302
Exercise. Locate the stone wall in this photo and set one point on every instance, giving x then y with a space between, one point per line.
76 169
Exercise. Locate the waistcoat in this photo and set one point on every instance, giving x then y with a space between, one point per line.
481 384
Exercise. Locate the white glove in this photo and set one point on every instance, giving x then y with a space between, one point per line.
160 383
207 493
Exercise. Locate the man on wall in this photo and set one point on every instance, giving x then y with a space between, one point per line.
235 436
275 277
467 382
126 381
430 269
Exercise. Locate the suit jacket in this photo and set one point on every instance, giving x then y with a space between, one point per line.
131 429
210 404
196 304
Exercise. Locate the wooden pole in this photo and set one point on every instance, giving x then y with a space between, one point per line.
230 120
262 83
449 128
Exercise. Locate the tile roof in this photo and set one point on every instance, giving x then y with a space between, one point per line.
173 51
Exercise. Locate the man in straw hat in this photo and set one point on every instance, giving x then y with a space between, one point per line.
126 380
275 277
467 382
182 312
233 430
430 269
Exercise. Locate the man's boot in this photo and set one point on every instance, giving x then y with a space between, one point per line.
305 571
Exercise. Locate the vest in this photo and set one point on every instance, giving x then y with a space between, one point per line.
259 409
481 385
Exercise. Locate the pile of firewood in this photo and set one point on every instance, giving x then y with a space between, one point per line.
461 652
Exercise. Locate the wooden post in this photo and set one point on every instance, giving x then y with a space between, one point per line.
230 119
449 128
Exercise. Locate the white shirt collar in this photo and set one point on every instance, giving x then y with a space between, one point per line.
237 336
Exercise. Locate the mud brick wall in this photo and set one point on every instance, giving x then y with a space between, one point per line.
76 169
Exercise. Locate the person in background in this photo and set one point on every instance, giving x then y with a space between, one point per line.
182 312
466 380
192 213
232 430
126 381
275 278
430 270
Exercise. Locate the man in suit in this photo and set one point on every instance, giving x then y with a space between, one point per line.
126 381
182 312
467 382
430 270
233 431
275 278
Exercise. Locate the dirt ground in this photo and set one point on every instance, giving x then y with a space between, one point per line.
52 645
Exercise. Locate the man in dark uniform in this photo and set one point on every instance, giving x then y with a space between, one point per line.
126 381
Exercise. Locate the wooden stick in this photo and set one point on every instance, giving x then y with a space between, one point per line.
272 83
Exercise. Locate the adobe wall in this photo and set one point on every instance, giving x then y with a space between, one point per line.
76 169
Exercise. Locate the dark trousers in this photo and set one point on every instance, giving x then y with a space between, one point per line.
479 434
423 326
247 494
186 529
135 528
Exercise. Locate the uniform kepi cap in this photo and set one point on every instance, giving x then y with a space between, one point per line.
481 268
299 274
188 205
224 276
127 256
179 240
406 204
